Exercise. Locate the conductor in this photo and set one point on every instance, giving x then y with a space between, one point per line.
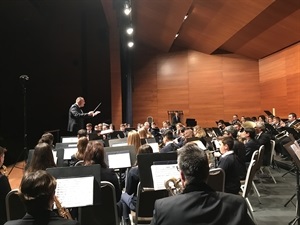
77 116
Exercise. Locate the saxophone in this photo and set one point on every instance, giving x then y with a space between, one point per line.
63 212
174 186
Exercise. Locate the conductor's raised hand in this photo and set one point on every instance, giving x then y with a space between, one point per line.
96 113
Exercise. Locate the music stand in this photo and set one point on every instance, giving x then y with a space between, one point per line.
294 150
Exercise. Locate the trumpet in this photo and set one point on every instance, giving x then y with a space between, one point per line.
174 186
63 212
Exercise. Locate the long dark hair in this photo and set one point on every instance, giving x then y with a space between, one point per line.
42 158
94 154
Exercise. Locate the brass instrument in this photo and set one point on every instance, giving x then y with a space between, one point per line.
63 212
297 127
3 170
174 186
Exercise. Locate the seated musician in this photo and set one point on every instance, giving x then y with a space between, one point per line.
37 192
264 139
129 198
169 144
229 163
251 144
199 204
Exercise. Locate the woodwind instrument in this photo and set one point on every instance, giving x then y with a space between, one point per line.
63 212
174 186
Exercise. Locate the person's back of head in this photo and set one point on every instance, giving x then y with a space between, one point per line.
37 190
81 146
250 131
193 164
47 138
168 135
134 139
144 149
42 158
94 154
81 133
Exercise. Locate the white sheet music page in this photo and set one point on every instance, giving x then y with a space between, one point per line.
75 192
162 173
119 160
68 152
296 149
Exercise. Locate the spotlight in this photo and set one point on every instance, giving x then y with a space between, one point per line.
130 44
127 9
129 30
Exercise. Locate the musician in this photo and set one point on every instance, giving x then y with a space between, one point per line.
292 120
4 188
77 116
251 144
277 122
264 139
235 119
37 192
169 144
199 203
238 149
221 126
89 128
129 198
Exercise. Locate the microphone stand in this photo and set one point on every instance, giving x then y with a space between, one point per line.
23 80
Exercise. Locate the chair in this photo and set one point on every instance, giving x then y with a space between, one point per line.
15 209
246 187
146 198
258 165
216 179
272 162
106 213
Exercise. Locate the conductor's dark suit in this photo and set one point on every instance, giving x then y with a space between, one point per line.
200 205
76 118
43 217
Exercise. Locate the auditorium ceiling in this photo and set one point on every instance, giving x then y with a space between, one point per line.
251 28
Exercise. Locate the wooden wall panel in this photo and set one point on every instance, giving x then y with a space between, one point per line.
280 81
205 87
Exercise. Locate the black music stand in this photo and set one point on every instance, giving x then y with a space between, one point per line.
23 80
294 150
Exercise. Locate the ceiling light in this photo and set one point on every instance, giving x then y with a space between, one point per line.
127 9
130 44
129 30
176 35
186 16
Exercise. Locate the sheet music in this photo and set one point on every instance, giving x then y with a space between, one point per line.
69 140
68 152
162 173
119 160
54 153
75 192
200 144
154 147
119 144
296 149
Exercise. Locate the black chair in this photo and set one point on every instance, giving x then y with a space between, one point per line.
146 198
105 213
216 179
15 209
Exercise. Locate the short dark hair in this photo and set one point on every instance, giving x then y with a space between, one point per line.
293 115
81 133
193 163
168 134
228 141
37 189
250 131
